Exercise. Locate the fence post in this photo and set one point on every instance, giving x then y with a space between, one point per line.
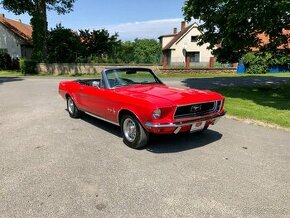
211 62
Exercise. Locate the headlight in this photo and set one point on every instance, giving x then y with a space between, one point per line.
156 114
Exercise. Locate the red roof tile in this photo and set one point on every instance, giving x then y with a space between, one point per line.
22 30
265 40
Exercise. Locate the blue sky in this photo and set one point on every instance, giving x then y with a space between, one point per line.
130 18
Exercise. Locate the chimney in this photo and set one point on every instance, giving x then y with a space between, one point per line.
182 25
2 15
174 30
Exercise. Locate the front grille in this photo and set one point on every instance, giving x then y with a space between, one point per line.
197 110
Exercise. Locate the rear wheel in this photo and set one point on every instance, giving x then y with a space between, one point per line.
72 109
134 135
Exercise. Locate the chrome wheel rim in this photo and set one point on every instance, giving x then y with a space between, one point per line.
70 105
129 129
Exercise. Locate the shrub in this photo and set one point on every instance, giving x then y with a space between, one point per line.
5 60
28 66
257 63
260 62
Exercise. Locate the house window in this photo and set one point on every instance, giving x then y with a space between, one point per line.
194 57
194 38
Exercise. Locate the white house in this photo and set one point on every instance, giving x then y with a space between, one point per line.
15 37
181 48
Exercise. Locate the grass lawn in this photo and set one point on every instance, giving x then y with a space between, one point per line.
269 104
10 73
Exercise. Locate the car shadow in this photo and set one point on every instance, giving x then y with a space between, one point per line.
162 143
111 128
181 142
5 79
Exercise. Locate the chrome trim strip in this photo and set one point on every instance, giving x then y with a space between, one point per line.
202 102
180 124
93 115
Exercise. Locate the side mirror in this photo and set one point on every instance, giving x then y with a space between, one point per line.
96 84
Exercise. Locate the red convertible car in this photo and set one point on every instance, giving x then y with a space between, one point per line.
137 101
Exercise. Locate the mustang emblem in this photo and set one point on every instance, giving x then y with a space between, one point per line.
195 108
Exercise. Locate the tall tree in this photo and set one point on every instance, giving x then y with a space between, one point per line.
234 24
37 9
147 51
63 45
100 44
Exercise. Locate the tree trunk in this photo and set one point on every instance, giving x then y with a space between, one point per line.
42 7
39 35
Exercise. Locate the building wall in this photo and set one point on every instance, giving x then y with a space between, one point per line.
9 41
26 51
184 45
165 40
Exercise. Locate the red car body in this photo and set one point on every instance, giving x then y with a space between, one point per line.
182 110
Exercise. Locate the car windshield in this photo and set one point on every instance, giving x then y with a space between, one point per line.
127 77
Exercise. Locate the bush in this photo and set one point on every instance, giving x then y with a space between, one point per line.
260 62
5 60
28 66
257 63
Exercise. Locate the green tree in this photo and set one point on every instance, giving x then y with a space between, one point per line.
147 51
64 45
235 24
37 9
100 45
126 53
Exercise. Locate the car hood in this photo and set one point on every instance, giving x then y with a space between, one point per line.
163 95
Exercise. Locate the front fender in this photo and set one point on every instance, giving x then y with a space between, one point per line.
141 113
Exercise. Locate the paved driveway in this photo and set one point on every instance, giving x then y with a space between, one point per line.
55 166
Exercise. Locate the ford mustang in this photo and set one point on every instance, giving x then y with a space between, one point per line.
136 100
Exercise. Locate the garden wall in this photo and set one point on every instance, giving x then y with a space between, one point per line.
76 69
73 69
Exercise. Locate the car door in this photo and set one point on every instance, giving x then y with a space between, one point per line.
80 95
103 103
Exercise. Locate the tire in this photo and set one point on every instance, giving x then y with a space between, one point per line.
134 135
72 109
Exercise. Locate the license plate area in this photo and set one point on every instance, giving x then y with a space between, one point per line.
197 126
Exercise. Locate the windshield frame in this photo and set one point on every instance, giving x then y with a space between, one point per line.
115 70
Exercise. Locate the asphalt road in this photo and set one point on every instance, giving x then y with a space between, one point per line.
55 166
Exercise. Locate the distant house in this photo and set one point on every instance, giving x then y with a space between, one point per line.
181 48
15 37
264 40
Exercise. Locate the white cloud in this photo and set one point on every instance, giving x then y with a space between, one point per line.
145 29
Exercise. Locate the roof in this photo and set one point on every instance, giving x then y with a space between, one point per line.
177 37
169 35
23 31
265 39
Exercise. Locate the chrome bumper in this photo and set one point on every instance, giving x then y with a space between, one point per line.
181 124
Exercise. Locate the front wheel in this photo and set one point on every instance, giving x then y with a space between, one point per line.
134 135
72 109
